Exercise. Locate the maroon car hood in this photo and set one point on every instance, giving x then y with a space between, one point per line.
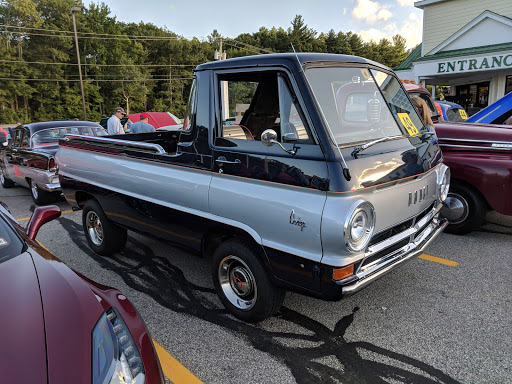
22 341
71 311
473 132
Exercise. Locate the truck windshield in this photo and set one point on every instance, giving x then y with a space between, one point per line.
362 104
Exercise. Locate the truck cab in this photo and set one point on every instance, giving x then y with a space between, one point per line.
304 172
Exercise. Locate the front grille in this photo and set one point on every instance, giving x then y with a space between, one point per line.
398 229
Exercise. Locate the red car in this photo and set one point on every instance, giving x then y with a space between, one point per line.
57 326
480 161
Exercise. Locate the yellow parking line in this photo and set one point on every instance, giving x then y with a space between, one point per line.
438 260
173 369
28 218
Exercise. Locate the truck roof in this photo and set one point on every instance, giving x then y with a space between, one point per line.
284 59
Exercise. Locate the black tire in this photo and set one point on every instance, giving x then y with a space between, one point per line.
464 208
104 236
6 182
40 196
242 282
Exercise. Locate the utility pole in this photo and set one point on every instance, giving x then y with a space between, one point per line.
170 85
73 11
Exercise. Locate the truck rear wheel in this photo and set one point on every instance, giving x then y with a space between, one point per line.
104 237
464 208
243 283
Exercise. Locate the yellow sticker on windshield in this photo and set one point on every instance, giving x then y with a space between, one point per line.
408 124
463 114
365 73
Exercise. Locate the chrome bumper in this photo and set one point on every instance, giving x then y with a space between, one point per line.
51 187
372 272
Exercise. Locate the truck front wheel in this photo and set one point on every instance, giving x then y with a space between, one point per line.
104 237
464 208
243 283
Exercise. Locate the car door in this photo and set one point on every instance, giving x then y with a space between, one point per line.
274 193
13 157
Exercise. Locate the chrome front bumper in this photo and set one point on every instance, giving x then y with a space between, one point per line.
422 234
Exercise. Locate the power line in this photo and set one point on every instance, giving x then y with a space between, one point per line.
101 80
116 37
101 65
94 33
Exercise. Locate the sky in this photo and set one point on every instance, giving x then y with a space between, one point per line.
370 19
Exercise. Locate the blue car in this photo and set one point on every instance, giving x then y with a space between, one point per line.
452 111
496 113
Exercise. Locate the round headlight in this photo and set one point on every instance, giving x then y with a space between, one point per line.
359 226
443 183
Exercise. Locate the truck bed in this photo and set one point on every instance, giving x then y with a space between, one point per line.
164 142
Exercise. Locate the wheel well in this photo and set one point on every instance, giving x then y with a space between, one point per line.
82 198
214 238
473 188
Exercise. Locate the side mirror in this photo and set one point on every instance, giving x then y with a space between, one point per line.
41 216
269 138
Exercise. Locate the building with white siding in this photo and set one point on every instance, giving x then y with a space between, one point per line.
466 50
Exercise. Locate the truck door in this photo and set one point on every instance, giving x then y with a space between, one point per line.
273 195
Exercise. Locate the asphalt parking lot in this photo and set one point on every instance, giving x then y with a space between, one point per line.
444 317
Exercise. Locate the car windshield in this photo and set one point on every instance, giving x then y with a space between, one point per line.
51 136
362 104
10 243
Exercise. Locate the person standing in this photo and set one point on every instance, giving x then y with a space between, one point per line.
114 126
142 125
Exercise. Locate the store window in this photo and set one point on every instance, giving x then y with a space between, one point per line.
472 97
508 85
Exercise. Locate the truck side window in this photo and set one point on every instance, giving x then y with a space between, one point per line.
187 121
249 105
291 120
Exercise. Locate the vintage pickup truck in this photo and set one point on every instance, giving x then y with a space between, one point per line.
307 172
480 161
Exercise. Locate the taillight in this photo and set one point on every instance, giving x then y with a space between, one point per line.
51 165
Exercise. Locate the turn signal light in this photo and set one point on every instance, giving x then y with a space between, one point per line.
341 273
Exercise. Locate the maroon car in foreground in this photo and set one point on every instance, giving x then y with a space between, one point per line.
57 326
480 161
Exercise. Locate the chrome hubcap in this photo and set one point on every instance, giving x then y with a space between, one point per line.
33 187
237 282
94 228
455 209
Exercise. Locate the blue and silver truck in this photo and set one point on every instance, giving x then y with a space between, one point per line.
305 172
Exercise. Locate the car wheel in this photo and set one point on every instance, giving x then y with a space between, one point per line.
104 236
243 283
40 196
464 208
6 182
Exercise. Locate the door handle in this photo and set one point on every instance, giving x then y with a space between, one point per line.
223 160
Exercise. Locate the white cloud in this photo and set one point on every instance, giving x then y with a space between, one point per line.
373 34
172 6
371 11
344 11
411 30
407 3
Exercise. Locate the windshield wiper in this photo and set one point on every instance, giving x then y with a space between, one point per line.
360 148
